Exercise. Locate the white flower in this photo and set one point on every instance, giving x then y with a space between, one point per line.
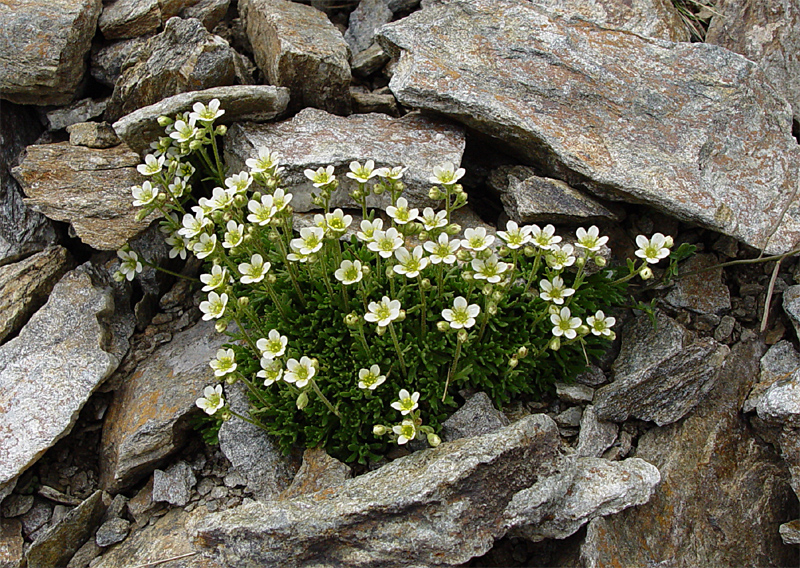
370 378
178 244
383 313
443 250
591 239
462 315
203 206
514 236
654 249
368 228
281 199
151 166
337 221
405 431
212 400
476 239
214 280
299 372
266 161
234 234
144 194
410 263
490 269
433 219
261 212
446 174
394 173
184 132
544 238
178 187
205 113
255 270
214 307
600 324
129 265
554 291
564 324
321 177
407 403
271 371
401 213
274 346
193 225
238 183
296 255
385 242
349 272
224 364
185 170
205 245
560 257
310 240
362 174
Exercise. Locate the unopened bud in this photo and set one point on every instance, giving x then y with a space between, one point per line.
244 301
423 235
529 251
401 316
513 362
356 194
491 309
580 261
379 429
434 440
600 261
583 329
468 276
442 326
503 251
425 284
119 276
646 273
463 335
302 400
221 326
390 273
553 310
522 352
164 121
195 145
218 217
366 269
452 229
231 379
464 255
351 319
239 200
555 344
668 242
435 193
226 415
458 188
497 295
271 278
257 195
142 214
484 254
378 189
381 331
612 336
487 290
222 130
315 363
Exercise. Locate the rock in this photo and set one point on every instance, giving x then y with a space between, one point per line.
319 471
36 518
93 135
790 532
22 231
703 293
91 189
174 485
16 505
85 554
789 442
11 543
791 305
122 19
779 362
593 376
384 517
107 61
725 328
147 418
624 116
528 198
583 489
780 403
253 453
710 457
570 418
661 373
764 32
56 496
477 417
595 436
365 103
25 285
80 111
141 507
209 12
574 393
296 46
368 61
254 103
56 545
49 371
368 16
112 532
43 47
314 138
184 57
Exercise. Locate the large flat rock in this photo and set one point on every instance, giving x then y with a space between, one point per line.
693 130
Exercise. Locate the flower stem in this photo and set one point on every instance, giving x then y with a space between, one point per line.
423 315
452 369
397 348
249 420
324 399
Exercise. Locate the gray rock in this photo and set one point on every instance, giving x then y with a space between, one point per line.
368 16
49 371
80 111
56 545
528 198
725 328
36 518
789 442
22 231
209 12
93 135
25 285
593 376
172 8
314 138
11 543
17 505
146 421
595 436
43 46
709 458
780 403
365 103
791 305
570 418
85 554
624 116
174 486
779 362
123 19
557 506
660 374
253 103
89 188
477 417
112 532
252 451
184 57
575 393
790 532
703 293
296 46
765 32
106 62
318 471
366 62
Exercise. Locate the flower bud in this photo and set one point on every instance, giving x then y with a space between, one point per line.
226 415
646 273
503 251
231 379
244 301
164 121
468 276
366 269
487 290
401 316
491 309
378 189
522 352
379 429
271 278
423 235
434 440
497 295
583 329
195 144
381 331
222 130
458 189
221 326
513 362
484 254
239 200
302 400
462 335
357 194
442 326
529 251
142 214
352 319
552 310
435 193
425 284
452 229
612 336
464 255
580 261
390 273
668 242
119 276
600 261
218 217
315 363
257 195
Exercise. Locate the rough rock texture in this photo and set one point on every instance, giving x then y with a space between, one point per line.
319 471
10 543
112 532
106 62
780 404
710 458
595 436
368 16
184 57
174 485
704 293
93 135
764 31
789 442
209 12
477 417
122 19
296 46
87 187
42 47
252 452
368 61
661 374
779 362
25 285
56 545
627 117
146 420
80 111
528 198
22 231
254 103
47 373
314 138
790 532
791 305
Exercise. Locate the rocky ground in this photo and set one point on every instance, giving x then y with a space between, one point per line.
679 448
